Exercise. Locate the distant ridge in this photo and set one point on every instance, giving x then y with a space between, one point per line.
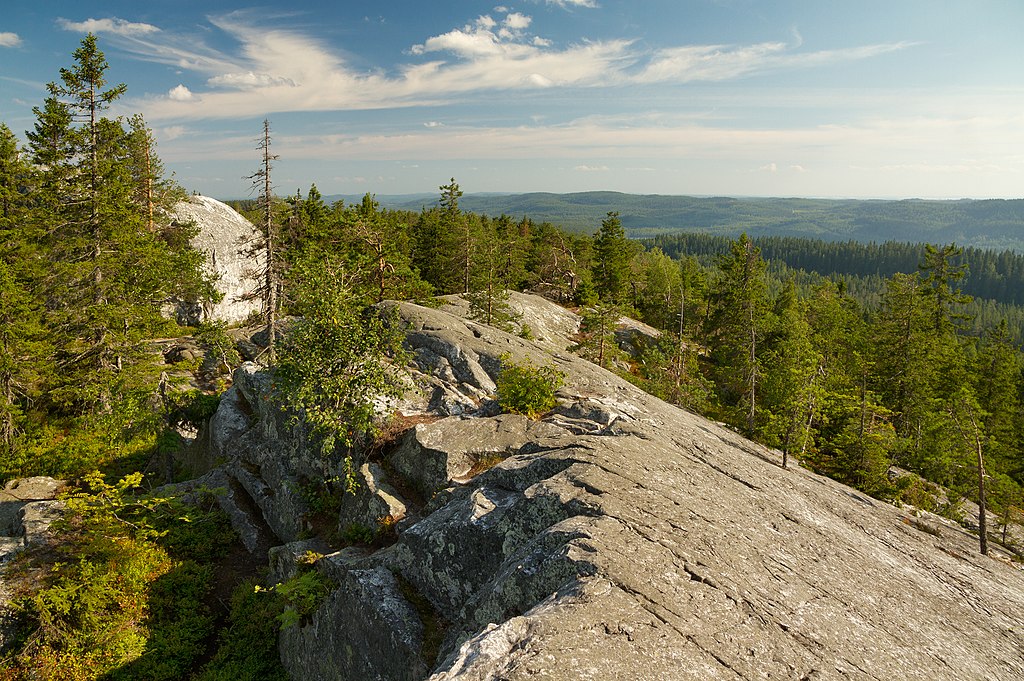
986 223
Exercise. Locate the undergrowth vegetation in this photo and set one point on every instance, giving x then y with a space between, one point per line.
526 388
122 591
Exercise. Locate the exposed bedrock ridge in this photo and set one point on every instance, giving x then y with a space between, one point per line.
623 538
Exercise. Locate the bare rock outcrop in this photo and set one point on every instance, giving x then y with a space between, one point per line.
28 506
618 538
222 236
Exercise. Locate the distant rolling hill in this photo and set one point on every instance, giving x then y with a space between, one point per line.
991 223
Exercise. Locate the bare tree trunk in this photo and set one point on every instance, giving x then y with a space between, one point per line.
979 447
149 187
982 521
261 179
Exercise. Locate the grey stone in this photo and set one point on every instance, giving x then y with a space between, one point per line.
365 630
434 455
223 235
284 561
625 538
373 502
27 509
551 326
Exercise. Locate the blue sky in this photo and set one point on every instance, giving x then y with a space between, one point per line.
867 99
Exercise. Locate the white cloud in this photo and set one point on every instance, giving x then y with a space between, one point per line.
770 168
566 4
110 25
279 69
180 93
8 39
517 21
484 37
591 169
171 132
465 43
249 80
433 124
724 62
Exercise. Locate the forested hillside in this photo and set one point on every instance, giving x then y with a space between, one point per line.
990 224
993 279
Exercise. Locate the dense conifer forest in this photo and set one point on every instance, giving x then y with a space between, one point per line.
859 361
990 224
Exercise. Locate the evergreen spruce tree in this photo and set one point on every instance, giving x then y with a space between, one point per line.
737 328
114 258
378 243
613 253
792 385
997 373
496 269
597 333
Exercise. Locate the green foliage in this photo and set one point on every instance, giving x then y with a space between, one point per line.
527 389
613 253
320 496
179 622
221 354
117 443
336 362
119 602
738 325
190 407
596 338
356 533
302 595
247 645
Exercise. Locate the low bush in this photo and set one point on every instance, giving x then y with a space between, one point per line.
527 389
124 597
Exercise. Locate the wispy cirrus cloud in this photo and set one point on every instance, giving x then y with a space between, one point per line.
566 4
8 39
109 26
724 62
279 69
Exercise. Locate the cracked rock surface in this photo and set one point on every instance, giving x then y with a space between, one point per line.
623 538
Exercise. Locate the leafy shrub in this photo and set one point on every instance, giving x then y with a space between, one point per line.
179 624
357 533
527 389
247 646
302 595
191 407
336 362
120 602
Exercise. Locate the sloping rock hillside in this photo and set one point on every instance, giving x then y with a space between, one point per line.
618 538
222 236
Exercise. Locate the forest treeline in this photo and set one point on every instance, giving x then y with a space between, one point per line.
993 275
989 223
993 279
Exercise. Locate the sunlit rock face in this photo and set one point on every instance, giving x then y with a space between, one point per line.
617 538
225 238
